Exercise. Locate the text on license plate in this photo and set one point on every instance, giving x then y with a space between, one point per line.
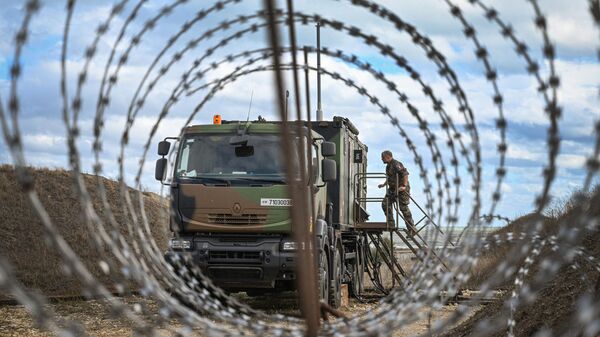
276 202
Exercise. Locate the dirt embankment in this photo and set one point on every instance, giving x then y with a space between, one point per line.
23 243
498 250
555 305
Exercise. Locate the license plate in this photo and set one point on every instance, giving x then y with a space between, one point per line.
275 202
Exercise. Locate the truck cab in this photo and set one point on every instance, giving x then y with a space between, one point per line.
230 206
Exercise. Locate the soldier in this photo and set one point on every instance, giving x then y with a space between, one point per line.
398 189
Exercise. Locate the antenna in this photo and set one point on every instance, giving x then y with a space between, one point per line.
319 110
250 107
307 84
287 96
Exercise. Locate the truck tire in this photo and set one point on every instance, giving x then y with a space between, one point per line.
324 276
335 292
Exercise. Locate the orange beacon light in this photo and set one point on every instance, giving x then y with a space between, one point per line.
217 119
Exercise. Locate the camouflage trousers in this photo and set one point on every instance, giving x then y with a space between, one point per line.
403 199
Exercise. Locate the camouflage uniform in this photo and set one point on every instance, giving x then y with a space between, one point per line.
395 173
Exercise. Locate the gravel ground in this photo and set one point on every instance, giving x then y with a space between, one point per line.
98 321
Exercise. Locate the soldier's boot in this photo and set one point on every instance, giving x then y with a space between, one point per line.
412 230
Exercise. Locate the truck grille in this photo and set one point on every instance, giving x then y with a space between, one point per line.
221 273
229 255
241 219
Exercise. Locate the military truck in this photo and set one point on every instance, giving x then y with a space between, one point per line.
230 207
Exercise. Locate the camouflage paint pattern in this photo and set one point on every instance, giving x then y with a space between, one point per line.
238 209
345 189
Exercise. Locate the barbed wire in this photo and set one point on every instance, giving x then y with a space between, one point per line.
179 287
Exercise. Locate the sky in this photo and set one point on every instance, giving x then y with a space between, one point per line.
569 26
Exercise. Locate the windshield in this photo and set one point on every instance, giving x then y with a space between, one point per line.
229 156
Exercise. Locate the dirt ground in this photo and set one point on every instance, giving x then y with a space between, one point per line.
98 321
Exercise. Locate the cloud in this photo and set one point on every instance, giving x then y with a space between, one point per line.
572 161
518 152
44 143
569 26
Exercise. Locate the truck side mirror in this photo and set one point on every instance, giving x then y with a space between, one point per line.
329 170
163 148
159 169
328 149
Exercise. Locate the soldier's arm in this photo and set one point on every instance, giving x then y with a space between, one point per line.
405 181
402 171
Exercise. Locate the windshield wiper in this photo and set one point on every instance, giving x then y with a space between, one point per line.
273 180
213 179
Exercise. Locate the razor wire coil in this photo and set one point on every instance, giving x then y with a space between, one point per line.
181 289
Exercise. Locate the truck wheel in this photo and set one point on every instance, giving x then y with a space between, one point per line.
335 292
324 276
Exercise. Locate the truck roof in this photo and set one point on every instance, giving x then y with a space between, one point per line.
259 126
231 126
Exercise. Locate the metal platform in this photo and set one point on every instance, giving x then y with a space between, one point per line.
373 226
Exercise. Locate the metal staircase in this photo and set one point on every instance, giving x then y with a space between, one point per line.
384 251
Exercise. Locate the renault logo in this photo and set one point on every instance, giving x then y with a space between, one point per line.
237 208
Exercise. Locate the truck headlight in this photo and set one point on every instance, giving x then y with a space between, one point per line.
290 245
180 244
